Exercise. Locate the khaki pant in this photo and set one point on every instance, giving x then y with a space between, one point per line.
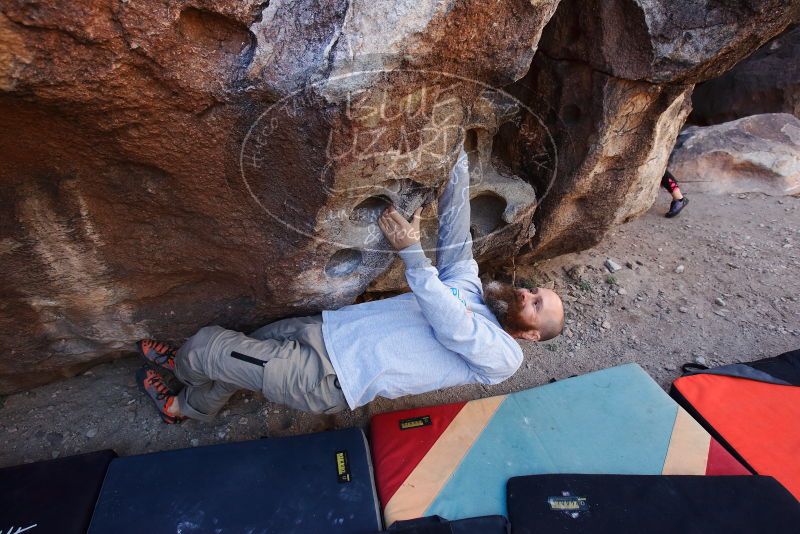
286 360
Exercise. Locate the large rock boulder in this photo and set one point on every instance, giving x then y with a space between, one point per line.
612 80
766 82
167 165
760 153
613 137
665 41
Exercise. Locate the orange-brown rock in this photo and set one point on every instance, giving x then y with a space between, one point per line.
755 154
166 165
613 80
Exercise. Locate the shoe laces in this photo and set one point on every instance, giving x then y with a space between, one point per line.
153 380
166 354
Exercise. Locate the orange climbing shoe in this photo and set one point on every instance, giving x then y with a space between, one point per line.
151 383
157 353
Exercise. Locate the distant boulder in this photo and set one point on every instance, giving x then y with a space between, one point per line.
759 154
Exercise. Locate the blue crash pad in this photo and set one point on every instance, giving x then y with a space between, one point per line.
312 483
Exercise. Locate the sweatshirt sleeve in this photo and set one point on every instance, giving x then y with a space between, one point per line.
491 353
454 247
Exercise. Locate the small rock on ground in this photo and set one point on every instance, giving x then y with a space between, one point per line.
612 266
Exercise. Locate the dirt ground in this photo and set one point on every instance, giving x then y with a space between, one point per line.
719 284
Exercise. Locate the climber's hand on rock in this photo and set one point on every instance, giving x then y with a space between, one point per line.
398 231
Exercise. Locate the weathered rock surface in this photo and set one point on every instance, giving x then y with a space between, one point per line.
760 153
766 82
170 165
612 80
665 41
613 139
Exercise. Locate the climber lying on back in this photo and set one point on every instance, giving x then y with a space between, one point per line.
449 330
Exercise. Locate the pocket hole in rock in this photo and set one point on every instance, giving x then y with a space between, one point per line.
368 211
343 262
522 153
486 214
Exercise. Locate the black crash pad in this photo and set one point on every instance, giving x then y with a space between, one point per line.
590 504
56 496
490 524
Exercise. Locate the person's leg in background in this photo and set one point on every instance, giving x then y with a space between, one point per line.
678 200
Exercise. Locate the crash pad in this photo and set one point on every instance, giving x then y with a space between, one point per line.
493 524
54 496
608 504
454 460
311 483
754 410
